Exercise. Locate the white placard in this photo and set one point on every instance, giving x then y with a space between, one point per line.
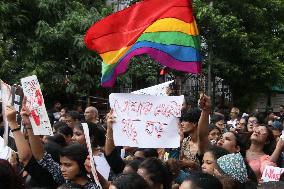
156 90
146 121
5 151
6 95
92 162
271 173
102 165
35 104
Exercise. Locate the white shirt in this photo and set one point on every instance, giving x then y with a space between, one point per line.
233 123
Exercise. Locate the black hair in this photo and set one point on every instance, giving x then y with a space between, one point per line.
78 153
271 142
219 111
58 139
250 185
54 150
239 142
135 163
174 87
97 136
65 108
65 130
261 117
211 127
8 177
192 115
251 175
59 124
217 117
130 181
204 181
189 101
158 172
140 150
281 177
73 114
217 151
271 185
174 167
150 152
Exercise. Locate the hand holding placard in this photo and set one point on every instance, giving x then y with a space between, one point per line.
146 121
35 106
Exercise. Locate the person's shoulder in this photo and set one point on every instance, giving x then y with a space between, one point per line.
91 185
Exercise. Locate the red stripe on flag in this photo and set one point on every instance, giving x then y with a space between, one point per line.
124 28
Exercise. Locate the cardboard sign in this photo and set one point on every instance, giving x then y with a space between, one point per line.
35 104
102 165
271 173
90 150
5 151
156 90
146 121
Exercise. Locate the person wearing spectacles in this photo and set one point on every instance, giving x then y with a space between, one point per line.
263 150
252 122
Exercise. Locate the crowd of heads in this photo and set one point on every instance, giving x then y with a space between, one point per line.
225 151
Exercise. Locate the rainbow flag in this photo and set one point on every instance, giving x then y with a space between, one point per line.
163 29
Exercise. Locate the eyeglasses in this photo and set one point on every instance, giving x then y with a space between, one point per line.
261 131
253 122
239 123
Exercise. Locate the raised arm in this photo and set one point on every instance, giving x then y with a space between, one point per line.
112 155
35 141
277 151
109 144
23 147
202 129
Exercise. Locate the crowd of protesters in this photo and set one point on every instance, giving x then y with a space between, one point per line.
214 153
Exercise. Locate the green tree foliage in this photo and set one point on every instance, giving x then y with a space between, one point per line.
45 38
247 39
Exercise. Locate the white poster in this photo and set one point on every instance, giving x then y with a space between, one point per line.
35 104
271 173
156 90
6 95
5 151
92 162
146 121
102 165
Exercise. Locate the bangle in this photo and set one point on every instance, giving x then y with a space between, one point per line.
108 138
17 129
28 128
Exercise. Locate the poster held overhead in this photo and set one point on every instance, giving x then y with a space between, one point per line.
35 104
146 121
156 90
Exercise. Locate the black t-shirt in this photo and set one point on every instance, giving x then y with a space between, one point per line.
40 177
115 162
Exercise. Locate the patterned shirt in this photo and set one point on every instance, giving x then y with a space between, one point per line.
186 151
54 169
